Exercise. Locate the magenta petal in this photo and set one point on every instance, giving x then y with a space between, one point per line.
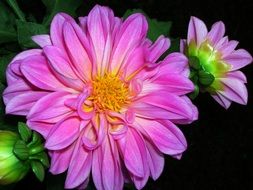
223 101
60 159
238 59
21 104
237 75
130 35
157 49
41 127
228 48
173 83
15 89
79 167
51 108
175 63
42 40
37 71
99 25
134 153
197 31
112 180
163 106
164 134
234 90
63 133
80 59
97 167
182 45
56 29
216 33
155 161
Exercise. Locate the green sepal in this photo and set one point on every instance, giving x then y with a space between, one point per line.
42 157
194 62
36 140
20 150
195 93
38 170
205 78
24 131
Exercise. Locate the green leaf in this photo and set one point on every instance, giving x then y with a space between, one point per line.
14 5
24 131
7 30
42 157
38 170
205 78
28 29
56 6
36 140
195 93
20 150
4 61
156 28
194 62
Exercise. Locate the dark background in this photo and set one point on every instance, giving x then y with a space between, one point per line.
220 148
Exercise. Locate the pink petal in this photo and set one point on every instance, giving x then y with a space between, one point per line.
42 40
113 179
223 101
99 25
173 83
78 55
60 159
37 71
63 133
155 161
61 67
22 103
163 105
234 90
134 153
216 33
182 45
130 35
175 63
228 48
238 59
42 128
133 63
164 135
51 108
97 167
79 167
56 29
237 75
157 49
15 89
197 31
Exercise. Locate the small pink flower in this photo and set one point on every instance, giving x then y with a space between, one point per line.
219 62
101 99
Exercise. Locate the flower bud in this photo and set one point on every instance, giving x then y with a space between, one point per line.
12 169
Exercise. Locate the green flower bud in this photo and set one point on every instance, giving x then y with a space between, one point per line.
12 169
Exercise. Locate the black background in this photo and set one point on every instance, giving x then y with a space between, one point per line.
220 148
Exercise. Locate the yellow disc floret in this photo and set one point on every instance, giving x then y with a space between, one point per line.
109 93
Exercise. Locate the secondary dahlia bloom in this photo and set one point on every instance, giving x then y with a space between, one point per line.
217 62
98 95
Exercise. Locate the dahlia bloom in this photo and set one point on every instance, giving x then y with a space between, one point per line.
218 62
104 103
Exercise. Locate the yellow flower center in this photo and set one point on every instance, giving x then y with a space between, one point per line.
109 93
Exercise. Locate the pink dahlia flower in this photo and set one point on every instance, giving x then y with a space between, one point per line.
218 61
105 105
